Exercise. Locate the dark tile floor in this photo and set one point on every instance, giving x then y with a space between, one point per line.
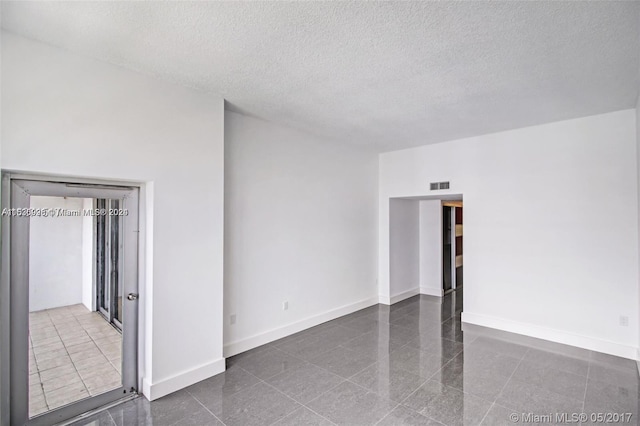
408 364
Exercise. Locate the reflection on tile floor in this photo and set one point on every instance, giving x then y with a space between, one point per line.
408 364
73 353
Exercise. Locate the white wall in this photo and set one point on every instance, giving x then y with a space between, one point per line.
55 255
431 247
300 227
404 246
69 115
551 226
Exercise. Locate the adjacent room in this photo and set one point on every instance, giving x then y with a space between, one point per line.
323 213
74 340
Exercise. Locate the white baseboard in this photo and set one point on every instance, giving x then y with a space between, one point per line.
432 291
386 300
174 383
552 335
260 339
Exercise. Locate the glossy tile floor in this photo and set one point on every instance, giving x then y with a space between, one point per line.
408 364
73 353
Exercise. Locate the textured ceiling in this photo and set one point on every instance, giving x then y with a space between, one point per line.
386 74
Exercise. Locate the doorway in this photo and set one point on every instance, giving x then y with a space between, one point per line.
452 245
69 258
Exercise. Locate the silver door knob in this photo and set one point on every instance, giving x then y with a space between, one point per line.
132 296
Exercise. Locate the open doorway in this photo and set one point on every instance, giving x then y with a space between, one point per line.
452 245
425 246
71 257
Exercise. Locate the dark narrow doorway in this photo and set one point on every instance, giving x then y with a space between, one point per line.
458 246
452 245
446 249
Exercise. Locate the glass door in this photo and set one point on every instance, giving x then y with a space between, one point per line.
108 249
70 251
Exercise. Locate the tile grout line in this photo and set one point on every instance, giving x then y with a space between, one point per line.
237 392
318 414
44 395
487 413
293 399
71 359
38 373
386 415
327 391
38 367
100 349
326 369
73 362
67 352
586 386
328 350
423 383
321 394
205 407
296 401
550 391
506 383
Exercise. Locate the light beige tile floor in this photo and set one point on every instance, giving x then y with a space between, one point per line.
73 353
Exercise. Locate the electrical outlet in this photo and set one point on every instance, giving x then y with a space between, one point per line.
624 321
232 319
285 305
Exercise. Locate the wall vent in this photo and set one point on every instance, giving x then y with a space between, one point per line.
434 186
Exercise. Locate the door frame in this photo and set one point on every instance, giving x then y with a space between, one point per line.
454 277
453 205
446 212
14 318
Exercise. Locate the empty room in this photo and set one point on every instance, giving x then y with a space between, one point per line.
254 213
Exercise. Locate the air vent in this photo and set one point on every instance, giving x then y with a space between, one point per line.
434 186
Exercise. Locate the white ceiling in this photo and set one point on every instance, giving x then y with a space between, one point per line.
386 74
